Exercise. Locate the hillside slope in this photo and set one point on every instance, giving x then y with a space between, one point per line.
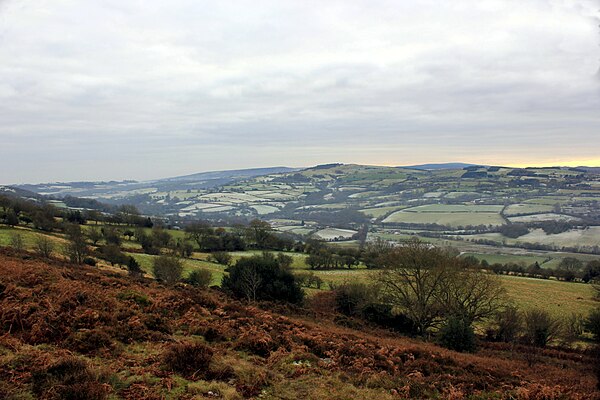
76 332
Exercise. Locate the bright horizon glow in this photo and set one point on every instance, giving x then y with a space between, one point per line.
580 163
584 163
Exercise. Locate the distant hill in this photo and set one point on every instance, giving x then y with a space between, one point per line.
594 170
456 165
18 192
344 195
129 188
230 174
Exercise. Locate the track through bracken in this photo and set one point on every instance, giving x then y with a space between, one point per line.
77 332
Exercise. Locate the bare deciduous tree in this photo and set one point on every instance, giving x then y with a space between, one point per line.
16 242
77 249
471 294
411 280
94 235
429 284
250 282
44 246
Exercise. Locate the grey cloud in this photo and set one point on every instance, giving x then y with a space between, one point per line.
116 87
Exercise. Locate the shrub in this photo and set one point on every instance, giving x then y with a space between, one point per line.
285 261
139 298
592 323
382 315
573 327
192 360
508 324
256 341
221 257
540 327
167 269
309 279
133 267
16 242
90 341
70 378
457 334
352 298
156 323
44 246
113 254
596 364
89 261
199 278
261 277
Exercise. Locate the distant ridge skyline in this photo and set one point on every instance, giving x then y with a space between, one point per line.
282 169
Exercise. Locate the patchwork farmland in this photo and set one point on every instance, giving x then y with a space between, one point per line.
558 209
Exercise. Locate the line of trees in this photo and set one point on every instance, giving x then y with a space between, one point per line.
570 269
44 216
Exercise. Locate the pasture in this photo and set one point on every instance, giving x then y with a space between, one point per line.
543 217
559 298
516 209
572 238
589 236
378 212
28 236
334 233
452 219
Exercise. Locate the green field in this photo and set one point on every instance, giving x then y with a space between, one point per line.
560 298
456 208
451 218
189 265
379 212
333 233
572 238
449 214
543 217
515 209
509 258
28 236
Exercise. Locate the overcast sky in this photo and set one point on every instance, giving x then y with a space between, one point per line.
119 89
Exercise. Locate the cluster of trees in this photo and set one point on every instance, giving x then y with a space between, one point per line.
422 290
15 211
538 327
257 278
549 227
263 277
321 256
44 216
256 235
513 230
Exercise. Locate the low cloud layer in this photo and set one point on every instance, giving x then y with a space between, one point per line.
146 89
